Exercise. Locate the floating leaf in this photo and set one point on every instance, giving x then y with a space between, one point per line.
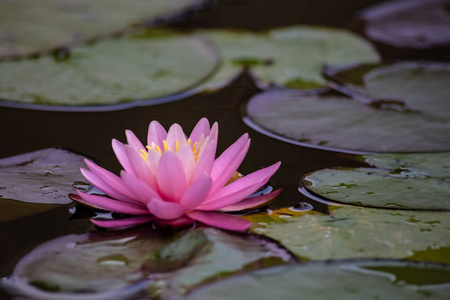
411 181
149 65
352 232
28 26
414 24
354 279
44 177
291 57
334 122
140 260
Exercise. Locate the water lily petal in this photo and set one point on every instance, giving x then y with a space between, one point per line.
112 180
187 159
133 141
175 134
121 154
202 127
77 198
143 192
156 134
178 223
205 159
120 223
140 167
220 220
239 189
197 192
165 210
103 187
228 162
171 178
106 203
253 202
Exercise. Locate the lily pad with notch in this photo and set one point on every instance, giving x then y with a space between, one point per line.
42 179
359 232
407 110
30 27
292 56
406 181
139 261
147 67
348 279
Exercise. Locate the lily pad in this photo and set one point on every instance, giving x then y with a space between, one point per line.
334 122
359 232
97 265
43 177
414 24
291 57
28 26
154 64
411 181
357 279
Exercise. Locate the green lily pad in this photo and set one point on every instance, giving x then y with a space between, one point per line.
149 65
359 232
411 181
28 26
332 122
291 57
413 24
357 279
41 177
140 260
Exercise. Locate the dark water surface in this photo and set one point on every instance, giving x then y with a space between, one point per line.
90 133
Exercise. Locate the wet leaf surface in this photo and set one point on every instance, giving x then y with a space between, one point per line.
357 279
43 179
399 108
153 64
28 27
291 56
357 232
408 181
139 260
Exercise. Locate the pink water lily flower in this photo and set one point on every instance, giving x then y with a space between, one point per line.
177 180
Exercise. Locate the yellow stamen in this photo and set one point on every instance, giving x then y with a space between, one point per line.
177 145
166 146
195 146
158 149
188 142
144 155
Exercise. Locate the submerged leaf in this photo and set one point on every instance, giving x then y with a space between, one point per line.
411 181
28 26
151 65
351 232
354 279
140 260
291 56
44 177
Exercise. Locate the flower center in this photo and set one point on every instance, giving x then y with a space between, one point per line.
195 148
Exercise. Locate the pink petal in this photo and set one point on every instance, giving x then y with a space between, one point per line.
80 200
102 186
228 162
205 160
186 157
110 179
114 205
202 127
171 178
141 168
196 193
156 134
175 134
121 154
133 141
165 210
178 223
239 189
127 222
220 220
142 191
253 202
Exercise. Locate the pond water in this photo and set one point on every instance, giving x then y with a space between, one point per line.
90 133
